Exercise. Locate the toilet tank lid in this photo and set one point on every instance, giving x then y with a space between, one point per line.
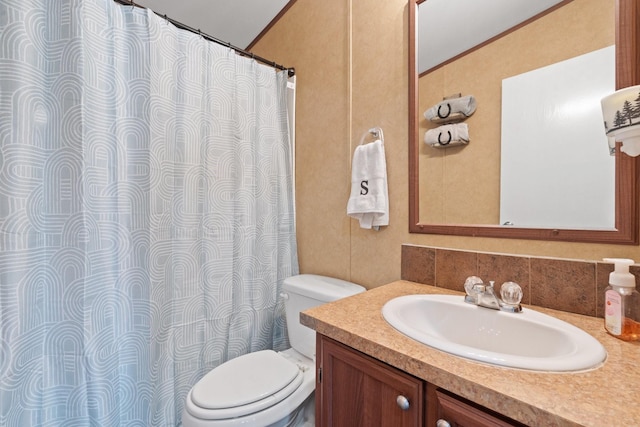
322 288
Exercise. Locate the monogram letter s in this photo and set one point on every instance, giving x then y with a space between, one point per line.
364 189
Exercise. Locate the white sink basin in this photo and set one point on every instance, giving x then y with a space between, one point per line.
527 340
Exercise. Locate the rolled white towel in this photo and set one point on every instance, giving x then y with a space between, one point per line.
447 135
465 105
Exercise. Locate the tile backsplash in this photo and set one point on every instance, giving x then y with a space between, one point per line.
575 286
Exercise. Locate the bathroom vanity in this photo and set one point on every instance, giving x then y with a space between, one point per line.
355 389
370 374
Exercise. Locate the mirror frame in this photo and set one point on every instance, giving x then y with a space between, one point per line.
626 180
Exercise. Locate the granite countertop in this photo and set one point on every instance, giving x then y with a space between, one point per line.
606 395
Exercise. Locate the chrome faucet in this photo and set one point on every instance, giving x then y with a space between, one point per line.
478 293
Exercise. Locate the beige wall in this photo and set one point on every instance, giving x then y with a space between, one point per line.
351 63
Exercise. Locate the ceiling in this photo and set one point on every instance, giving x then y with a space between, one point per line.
236 21
447 28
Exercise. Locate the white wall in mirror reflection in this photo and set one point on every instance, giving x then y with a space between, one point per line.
558 174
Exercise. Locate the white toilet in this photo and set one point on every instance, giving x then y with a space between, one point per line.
269 388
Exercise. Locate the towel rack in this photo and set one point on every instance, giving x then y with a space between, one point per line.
376 132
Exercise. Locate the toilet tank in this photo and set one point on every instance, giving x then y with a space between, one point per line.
305 291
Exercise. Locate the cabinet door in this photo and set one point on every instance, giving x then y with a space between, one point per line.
353 389
448 410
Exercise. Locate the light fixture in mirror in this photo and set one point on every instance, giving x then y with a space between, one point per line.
621 112
626 209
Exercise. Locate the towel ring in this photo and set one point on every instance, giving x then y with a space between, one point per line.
376 132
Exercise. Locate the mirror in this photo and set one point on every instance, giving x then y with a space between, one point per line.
626 178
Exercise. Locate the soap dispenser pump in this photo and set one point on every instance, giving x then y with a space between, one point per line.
622 302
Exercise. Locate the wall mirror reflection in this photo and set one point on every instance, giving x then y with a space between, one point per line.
537 163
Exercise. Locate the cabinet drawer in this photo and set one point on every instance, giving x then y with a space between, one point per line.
454 411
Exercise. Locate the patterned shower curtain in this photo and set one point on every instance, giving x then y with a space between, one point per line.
146 212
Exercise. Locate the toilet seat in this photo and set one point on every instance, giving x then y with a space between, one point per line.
244 385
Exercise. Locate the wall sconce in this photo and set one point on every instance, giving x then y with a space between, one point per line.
621 113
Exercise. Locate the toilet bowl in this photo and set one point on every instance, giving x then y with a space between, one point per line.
268 388
262 388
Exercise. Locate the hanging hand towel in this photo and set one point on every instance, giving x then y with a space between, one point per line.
447 135
465 105
369 200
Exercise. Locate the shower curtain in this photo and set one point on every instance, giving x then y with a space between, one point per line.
146 212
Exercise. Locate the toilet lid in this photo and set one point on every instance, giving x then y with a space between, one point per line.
244 380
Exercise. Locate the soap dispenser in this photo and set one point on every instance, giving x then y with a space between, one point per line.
622 302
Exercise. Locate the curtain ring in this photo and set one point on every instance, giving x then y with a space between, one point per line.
448 111
444 143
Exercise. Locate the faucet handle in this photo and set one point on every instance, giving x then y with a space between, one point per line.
470 285
473 286
511 293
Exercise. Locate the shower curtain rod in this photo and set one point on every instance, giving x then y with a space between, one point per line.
290 71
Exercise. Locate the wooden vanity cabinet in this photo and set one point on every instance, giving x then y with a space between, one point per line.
356 390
